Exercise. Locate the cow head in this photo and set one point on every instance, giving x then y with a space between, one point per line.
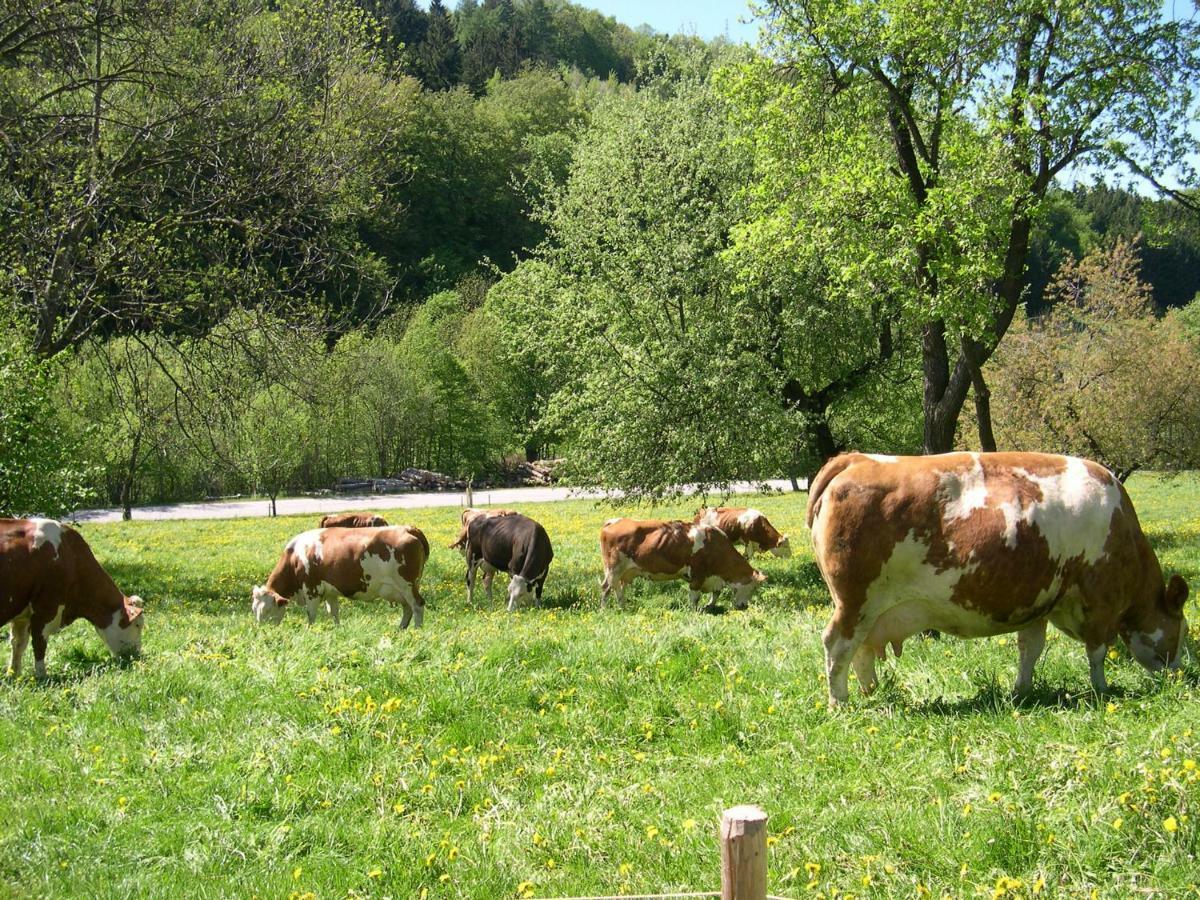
519 590
123 635
784 548
1155 634
267 605
743 592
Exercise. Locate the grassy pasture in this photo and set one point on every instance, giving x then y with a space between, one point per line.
573 750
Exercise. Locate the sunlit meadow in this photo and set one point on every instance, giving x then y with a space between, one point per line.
573 750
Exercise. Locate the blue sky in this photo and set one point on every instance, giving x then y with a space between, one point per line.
707 18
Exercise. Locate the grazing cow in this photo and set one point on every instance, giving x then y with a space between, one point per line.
666 551
746 526
328 563
977 544
512 543
353 520
48 579
469 515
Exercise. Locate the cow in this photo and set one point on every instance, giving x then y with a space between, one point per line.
353 520
48 579
670 550
748 527
326 564
978 544
469 515
510 543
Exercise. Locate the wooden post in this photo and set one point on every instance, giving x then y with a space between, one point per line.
744 854
470 493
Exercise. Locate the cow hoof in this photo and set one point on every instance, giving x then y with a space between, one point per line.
835 703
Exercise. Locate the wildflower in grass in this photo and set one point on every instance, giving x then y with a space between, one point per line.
398 808
525 889
453 854
296 873
772 841
1117 823
550 863
689 824
651 831
625 868
375 873
1165 752
444 877
994 797
1170 825
1038 886
1189 765
813 869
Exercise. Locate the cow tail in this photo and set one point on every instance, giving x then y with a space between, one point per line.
831 470
420 536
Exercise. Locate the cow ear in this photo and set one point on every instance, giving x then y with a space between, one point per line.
1176 593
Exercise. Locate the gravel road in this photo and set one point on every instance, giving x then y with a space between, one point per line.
290 506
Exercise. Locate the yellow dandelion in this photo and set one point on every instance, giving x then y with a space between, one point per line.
525 889
453 854
689 824
651 831
1189 765
772 841
1038 886
1165 752
375 873
296 873
444 877
550 864
1117 822
994 797
1170 825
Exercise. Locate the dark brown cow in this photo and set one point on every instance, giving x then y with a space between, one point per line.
325 564
748 527
669 550
977 544
353 520
48 579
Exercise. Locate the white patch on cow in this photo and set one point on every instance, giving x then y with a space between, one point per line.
709 517
47 531
748 518
265 606
54 626
1074 514
307 547
962 493
611 521
698 535
881 457
382 578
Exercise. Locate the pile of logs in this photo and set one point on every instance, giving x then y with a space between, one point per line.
534 474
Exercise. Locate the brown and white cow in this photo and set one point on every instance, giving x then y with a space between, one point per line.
669 551
977 544
326 564
748 527
353 520
48 579
469 515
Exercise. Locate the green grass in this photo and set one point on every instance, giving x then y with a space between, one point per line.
573 750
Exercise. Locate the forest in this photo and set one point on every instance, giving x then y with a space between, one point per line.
254 247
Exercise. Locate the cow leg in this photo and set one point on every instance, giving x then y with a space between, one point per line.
333 606
839 651
864 668
20 640
537 591
1031 640
749 550
489 575
1096 654
37 626
472 563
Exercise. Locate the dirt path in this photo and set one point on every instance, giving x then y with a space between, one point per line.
290 506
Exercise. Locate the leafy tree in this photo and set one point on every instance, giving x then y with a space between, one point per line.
938 133
273 432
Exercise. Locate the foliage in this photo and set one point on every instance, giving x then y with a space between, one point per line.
40 472
573 751
1098 375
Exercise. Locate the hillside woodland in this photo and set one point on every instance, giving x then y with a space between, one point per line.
256 247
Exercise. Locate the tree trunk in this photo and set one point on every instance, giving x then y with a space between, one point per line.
273 505
983 398
128 478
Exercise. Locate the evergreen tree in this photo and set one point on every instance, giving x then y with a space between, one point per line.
436 59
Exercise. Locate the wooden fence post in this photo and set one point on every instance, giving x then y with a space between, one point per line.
470 492
744 854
